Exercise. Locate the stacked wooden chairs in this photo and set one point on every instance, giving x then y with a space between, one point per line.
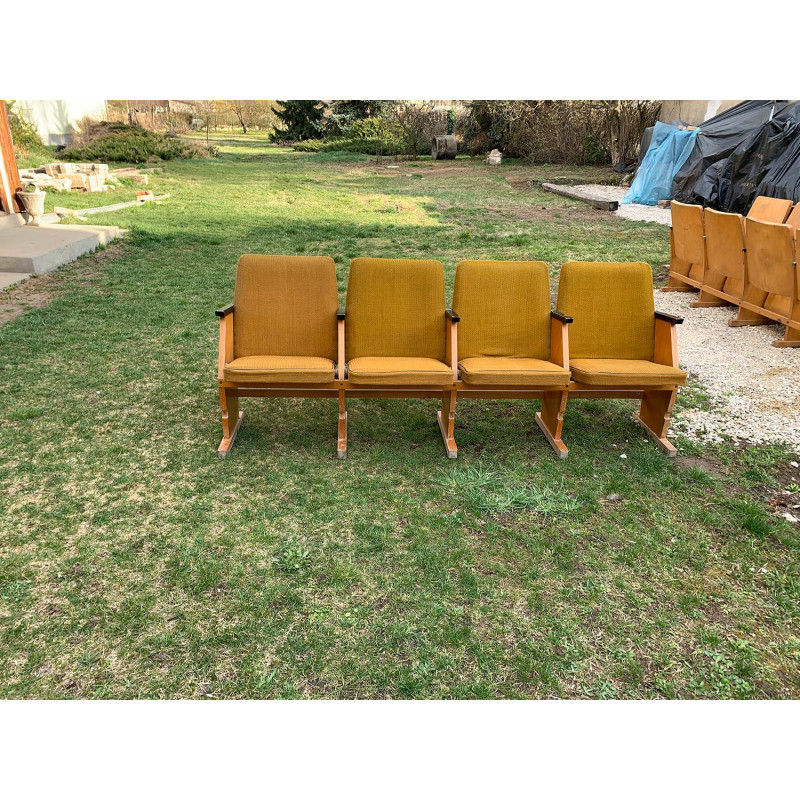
748 261
285 337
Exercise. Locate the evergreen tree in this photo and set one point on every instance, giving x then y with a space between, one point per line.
343 113
302 119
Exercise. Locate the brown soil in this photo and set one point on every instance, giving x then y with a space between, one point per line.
39 290
709 466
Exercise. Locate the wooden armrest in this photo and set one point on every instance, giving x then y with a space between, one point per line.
559 338
225 339
665 346
671 318
451 341
340 365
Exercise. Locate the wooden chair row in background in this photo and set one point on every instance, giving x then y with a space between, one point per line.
285 337
749 262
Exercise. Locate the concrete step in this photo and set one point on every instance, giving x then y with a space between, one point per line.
10 278
40 249
9 221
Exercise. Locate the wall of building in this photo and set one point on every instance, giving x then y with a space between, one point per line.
693 112
55 119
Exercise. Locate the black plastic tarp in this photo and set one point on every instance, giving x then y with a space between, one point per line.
734 183
783 178
718 138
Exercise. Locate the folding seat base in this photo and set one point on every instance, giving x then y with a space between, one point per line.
790 339
341 444
749 316
709 299
447 422
677 282
551 420
231 421
653 415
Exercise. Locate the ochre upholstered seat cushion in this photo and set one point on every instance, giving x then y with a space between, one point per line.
384 371
494 370
612 308
504 308
395 307
624 372
285 306
279 369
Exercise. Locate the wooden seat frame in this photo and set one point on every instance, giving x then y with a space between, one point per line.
752 310
231 391
657 401
554 398
654 414
724 262
686 274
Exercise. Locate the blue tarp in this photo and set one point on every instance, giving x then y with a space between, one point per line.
669 148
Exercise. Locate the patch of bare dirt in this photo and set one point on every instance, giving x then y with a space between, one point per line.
537 212
519 182
707 465
39 290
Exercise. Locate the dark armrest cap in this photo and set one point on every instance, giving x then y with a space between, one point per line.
223 312
561 315
452 314
340 313
669 318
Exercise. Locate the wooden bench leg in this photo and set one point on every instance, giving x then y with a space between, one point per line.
341 445
790 339
654 417
551 419
748 317
231 420
708 300
447 423
675 284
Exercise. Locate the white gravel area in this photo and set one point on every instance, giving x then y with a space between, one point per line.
632 210
754 387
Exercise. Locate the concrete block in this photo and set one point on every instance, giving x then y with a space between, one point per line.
41 249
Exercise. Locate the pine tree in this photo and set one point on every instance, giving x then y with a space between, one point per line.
302 119
343 113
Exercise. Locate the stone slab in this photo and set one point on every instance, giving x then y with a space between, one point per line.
8 221
599 203
46 247
9 278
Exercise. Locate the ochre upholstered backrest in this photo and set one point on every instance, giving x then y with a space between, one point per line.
612 308
770 257
285 306
687 232
395 307
504 308
724 243
769 209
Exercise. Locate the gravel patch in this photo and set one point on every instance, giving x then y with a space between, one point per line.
640 213
754 387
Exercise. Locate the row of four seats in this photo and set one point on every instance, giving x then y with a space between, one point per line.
749 262
284 336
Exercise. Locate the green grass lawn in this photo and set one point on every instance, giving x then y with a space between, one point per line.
136 563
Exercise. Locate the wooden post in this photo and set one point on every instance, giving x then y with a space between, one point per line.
9 174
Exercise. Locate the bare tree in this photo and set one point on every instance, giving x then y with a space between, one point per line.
205 110
418 121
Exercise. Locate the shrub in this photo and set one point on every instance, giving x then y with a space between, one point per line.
23 133
560 131
117 141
